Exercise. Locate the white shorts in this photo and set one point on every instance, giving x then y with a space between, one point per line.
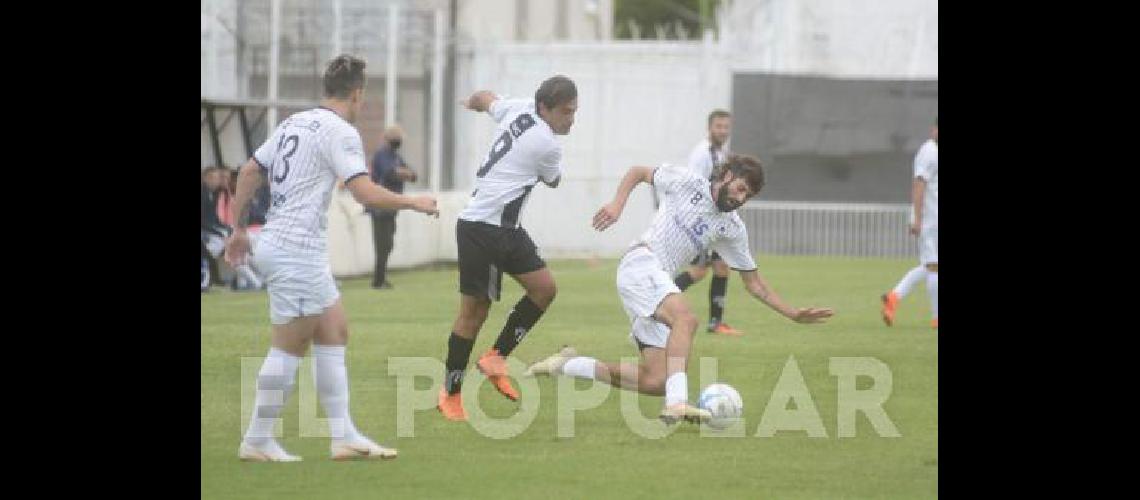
642 285
298 284
928 245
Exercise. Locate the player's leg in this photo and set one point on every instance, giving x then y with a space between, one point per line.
664 346
330 376
646 377
479 283
540 292
275 382
911 278
522 262
377 246
383 235
932 289
299 292
674 311
642 286
929 258
891 299
472 313
718 290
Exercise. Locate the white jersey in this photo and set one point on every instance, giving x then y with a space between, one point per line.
926 167
524 151
303 158
688 222
704 157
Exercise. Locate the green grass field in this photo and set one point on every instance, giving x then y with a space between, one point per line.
605 458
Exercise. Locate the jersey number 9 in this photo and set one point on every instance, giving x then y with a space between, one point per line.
505 141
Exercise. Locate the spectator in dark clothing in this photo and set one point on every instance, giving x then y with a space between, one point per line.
215 231
390 171
258 205
212 187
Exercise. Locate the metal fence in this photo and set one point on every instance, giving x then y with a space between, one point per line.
842 229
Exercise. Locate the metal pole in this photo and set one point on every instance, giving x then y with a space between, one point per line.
336 28
390 82
437 100
274 52
245 131
211 49
214 141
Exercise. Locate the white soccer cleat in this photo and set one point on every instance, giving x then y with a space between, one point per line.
684 411
269 452
364 449
552 365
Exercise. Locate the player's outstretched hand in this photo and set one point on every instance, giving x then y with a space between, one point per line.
237 247
426 205
812 314
606 216
478 101
914 229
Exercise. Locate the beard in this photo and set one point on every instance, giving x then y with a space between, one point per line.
723 202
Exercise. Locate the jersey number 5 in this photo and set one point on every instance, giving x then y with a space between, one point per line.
285 142
503 144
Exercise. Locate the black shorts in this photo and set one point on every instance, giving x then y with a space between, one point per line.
705 258
487 251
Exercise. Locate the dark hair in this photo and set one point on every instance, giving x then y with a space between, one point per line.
343 75
742 167
555 91
718 113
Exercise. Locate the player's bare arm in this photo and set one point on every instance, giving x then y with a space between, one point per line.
917 193
610 213
480 101
249 179
764 292
370 194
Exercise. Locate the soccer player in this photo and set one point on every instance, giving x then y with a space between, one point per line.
491 241
303 158
706 155
696 214
924 197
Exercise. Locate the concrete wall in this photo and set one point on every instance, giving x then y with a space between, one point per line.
879 39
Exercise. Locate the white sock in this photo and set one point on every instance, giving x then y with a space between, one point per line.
908 281
331 378
676 389
932 289
581 367
275 381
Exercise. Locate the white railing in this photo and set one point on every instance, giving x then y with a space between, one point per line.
846 229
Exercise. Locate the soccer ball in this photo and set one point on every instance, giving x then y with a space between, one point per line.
723 402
